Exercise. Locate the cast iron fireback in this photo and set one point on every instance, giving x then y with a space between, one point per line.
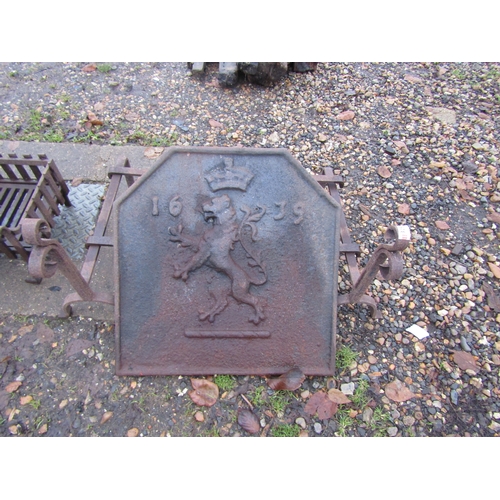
226 262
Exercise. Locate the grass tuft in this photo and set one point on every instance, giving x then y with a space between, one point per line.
286 430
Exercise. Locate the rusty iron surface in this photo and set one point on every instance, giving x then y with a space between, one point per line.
29 188
226 261
48 255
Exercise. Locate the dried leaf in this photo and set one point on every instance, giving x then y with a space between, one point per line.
214 123
15 429
401 145
204 393
413 78
437 164
321 404
88 399
76 181
248 421
13 386
404 208
153 152
397 391
384 171
25 329
494 269
44 333
89 68
338 397
106 417
465 195
493 298
134 432
432 374
494 217
365 210
465 361
441 224
24 400
93 119
345 115
76 346
290 381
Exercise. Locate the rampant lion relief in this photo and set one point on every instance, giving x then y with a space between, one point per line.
214 248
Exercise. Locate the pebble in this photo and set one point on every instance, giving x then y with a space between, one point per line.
274 137
392 431
367 415
318 428
347 389
408 420
301 422
464 344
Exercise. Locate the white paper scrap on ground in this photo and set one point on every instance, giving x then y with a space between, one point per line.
418 331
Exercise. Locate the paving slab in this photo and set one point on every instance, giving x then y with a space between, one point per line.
88 161
24 299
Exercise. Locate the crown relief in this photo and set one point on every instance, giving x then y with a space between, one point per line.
228 176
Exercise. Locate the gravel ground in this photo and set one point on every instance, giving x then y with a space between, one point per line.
418 144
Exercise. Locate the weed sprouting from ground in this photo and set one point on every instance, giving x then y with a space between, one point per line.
285 430
360 396
345 357
279 401
379 422
104 68
35 403
225 382
257 397
344 423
